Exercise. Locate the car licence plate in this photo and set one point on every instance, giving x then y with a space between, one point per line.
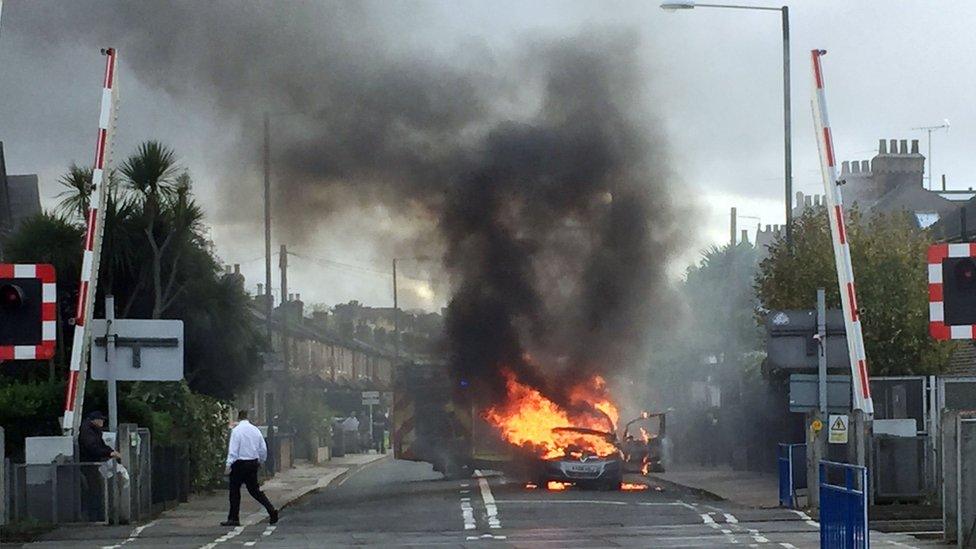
586 468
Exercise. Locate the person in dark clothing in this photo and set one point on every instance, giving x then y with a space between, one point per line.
91 446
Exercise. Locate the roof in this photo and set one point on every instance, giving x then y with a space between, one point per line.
19 197
963 360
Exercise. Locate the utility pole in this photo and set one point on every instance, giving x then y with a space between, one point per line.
396 319
787 127
268 300
283 264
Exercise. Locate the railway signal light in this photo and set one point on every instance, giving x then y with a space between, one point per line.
28 297
952 291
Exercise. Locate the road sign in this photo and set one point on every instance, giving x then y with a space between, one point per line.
838 429
804 393
371 394
145 350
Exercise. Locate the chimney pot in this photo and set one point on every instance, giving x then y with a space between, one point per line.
745 236
845 167
865 166
893 146
914 146
882 147
855 167
769 228
260 289
237 268
808 201
298 297
904 146
227 269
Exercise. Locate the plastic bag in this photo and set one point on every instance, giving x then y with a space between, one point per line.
106 470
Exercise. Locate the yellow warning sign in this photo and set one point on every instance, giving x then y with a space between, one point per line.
838 429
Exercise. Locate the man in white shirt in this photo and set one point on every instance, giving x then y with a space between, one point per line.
245 454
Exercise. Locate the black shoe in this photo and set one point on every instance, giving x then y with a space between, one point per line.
273 517
231 523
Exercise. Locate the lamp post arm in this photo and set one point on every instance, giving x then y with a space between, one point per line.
736 7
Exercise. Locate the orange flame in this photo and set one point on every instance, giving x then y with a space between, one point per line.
533 422
633 486
557 486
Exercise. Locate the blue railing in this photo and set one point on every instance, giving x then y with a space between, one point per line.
843 506
792 459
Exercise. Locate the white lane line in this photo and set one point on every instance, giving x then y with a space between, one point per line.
685 505
806 518
226 537
467 514
490 507
787 545
899 544
132 535
756 535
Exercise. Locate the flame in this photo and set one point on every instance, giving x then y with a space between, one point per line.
557 486
633 486
533 422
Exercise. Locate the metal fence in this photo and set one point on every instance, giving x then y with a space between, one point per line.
843 506
58 493
791 461
965 496
171 469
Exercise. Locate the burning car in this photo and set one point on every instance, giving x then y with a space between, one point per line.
591 459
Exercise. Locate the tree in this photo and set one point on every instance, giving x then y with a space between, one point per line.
888 253
151 174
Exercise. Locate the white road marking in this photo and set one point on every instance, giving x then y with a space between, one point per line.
490 507
467 514
899 544
787 545
806 518
756 535
730 518
132 535
226 537
269 530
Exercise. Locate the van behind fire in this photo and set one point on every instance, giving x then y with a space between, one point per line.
435 421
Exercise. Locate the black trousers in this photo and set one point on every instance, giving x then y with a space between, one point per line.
245 471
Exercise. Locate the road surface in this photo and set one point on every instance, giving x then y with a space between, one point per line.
401 504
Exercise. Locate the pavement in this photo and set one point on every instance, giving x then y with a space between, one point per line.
747 488
198 520
376 501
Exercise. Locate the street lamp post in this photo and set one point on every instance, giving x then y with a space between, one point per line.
787 122
396 307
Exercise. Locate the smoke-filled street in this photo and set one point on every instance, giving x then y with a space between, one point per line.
559 273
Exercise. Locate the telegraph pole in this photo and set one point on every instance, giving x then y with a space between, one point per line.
268 301
396 319
283 264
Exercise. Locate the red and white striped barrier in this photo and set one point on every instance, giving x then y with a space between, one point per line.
49 314
938 328
842 249
75 392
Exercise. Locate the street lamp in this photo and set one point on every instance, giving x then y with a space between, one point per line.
396 306
676 5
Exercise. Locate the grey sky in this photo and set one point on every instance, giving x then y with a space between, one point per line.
712 76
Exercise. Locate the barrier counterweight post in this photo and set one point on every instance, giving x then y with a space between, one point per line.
842 250
75 391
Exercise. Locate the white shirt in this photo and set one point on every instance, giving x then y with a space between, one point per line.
246 442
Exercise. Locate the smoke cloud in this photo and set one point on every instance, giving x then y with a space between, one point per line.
533 170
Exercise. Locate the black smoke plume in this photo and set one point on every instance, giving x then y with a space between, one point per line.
531 168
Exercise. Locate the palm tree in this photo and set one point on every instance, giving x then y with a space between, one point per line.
151 175
76 198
